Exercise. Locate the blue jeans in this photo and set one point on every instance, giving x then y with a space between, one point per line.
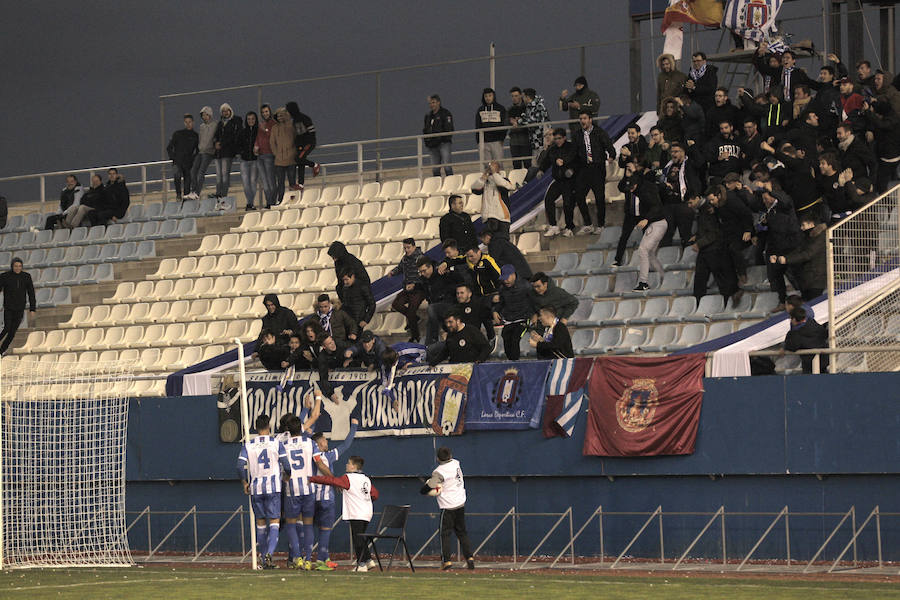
265 164
249 176
441 155
223 175
280 172
198 171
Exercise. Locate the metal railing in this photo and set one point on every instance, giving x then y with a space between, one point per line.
368 158
843 521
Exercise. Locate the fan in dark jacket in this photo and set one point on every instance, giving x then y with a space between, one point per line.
357 299
782 234
783 78
736 221
491 114
457 225
635 148
438 120
225 141
440 291
344 260
806 334
809 261
680 181
513 310
366 352
503 251
182 149
249 170
304 140
592 163
561 158
278 319
334 321
722 110
854 153
271 351
464 344
703 79
17 287
884 123
712 255
411 296
556 342
583 98
118 199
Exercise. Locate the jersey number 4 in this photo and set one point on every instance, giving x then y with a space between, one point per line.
263 459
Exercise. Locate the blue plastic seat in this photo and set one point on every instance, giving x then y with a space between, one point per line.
596 286
572 285
565 263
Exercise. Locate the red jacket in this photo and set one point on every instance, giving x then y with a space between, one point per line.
262 136
342 482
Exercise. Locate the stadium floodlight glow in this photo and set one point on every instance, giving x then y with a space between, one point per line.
63 430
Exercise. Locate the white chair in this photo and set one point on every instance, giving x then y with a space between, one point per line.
264 283
369 191
411 208
304 259
529 242
235 329
112 338
123 290
285 282
202 288
217 330
165 288
306 280
108 356
349 193
325 281
118 315
173 335
149 359
328 235
288 238
242 284
182 289
212 351
309 216
221 287
388 189
245 262
349 214
250 220
329 215
157 314
389 210
72 340
191 355
80 315
430 187
408 188
98 314
153 335
268 220
392 230
227 263
329 195
370 210
473 204
435 206
132 338
170 359
182 310
267 241
139 311
466 187
242 308
144 289
264 262
219 309
309 237
166 268
246 243
350 232
289 219
207 246
195 333
93 337
370 231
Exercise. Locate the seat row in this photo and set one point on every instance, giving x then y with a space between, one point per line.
81 255
157 335
390 210
317 237
48 297
71 275
99 234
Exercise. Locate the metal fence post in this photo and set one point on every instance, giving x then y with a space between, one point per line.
43 191
359 164
493 65
378 176
419 156
143 183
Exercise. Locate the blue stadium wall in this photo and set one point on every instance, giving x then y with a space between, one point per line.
814 443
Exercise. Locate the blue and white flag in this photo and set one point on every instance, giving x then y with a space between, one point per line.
506 395
751 19
565 395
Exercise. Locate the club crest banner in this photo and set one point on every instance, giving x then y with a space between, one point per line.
506 395
430 401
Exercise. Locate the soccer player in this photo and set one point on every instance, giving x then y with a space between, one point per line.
260 465
325 495
447 484
357 505
300 500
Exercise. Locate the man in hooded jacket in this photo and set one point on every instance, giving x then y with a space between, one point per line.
280 320
343 260
16 285
491 114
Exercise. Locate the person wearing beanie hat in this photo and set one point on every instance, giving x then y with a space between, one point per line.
206 146
490 115
583 98
227 145
16 285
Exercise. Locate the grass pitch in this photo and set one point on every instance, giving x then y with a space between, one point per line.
221 584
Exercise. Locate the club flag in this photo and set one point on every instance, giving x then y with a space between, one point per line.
751 19
644 406
565 395
701 12
506 395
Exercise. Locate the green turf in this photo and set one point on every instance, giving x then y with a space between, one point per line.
183 583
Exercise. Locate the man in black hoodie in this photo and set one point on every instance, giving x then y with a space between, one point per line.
439 120
182 149
118 200
806 334
225 142
491 114
519 139
271 350
723 152
16 285
343 260
278 319
357 299
464 344
712 255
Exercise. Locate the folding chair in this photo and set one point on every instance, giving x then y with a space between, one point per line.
391 526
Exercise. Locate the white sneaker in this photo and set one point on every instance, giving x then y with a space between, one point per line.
361 569
552 231
598 229
371 564
586 229
567 233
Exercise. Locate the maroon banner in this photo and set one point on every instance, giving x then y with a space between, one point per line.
644 406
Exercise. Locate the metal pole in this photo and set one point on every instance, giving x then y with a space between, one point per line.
693 543
571 538
886 16
162 129
787 534
582 61
493 66
762 537
195 533
637 535
828 539
724 551
419 156
43 191
515 539
359 164
878 535
378 126
662 553
829 255
143 183
245 418
2 410
259 101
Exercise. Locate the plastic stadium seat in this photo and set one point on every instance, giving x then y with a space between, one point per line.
55 257
285 283
672 282
202 289
243 308
565 264
473 205
194 333
350 231
430 187
392 230
80 317
72 255
434 206
249 222
174 335
149 359
118 314
72 340
691 335
632 340
322 259
157 313
44 277
682 308
708 306
661 339
653 309
722 328
596 286
411 208
625 311
60 237
529 242
33 341
207 246
688 259
152 335
116 232
265 261
367 212
124 290
581 314
170 359
589 263
166 268
271 219
763 305
407 189
369 232
669 255
326 281
389 210
133 337
453 184
732 311
369 191
264 283
53 340
212 352
572 285
329 214
605 340
139 311
288 238
466 187
43 296
609 237
111 338
517 177
388 189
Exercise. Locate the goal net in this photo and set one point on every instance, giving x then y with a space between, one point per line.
62 467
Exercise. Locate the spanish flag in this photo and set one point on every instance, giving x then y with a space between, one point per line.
701 12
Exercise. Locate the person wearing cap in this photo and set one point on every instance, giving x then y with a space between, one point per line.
513 310
366 352
491 115
206 146
504 251
17 286
226 144
583 98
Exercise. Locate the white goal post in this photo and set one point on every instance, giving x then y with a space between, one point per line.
63 433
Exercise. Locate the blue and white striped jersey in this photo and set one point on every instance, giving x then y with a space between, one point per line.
261 461
329 458
300 452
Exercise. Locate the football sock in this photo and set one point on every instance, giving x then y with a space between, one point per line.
273 538
293 540
308 537
261 542
301 538
324 538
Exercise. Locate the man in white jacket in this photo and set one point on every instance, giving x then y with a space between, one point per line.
448 486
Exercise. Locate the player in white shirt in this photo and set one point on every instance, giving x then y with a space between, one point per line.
260 465
448 486
300 501
325 509
357 505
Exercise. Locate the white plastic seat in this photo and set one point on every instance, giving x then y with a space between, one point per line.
369 211
369 191
139 311
173 335
166 268
153 335
266 241
329 195
165 288
370 231
434 206
517 176
111 338
207 246
389 210
157 314
243 284
149 359
212 352
305 259
267 221
309 237
72 340
291 199
349 193
391 253
287 238
248 242
408 188
289 219
181 310
188 265
473 205
182 289
234 329
430 187
216 331
285 282
370 252
191 355
222 286
323 260
328 234
264 262
170 359
349 214
388 189
468 182
144 290
124 290
411 208
79 317
325 281
118 315
392 230
132 338
34 340
225 263
309 216
242 308
219 309
201 289
250 220
195 333
306 280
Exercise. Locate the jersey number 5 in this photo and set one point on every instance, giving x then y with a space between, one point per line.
297 459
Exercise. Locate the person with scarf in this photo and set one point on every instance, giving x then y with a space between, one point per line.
785 77
703 81
555 341
736 221
246 148
535 113
854 153
226 144
679 181
334 321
